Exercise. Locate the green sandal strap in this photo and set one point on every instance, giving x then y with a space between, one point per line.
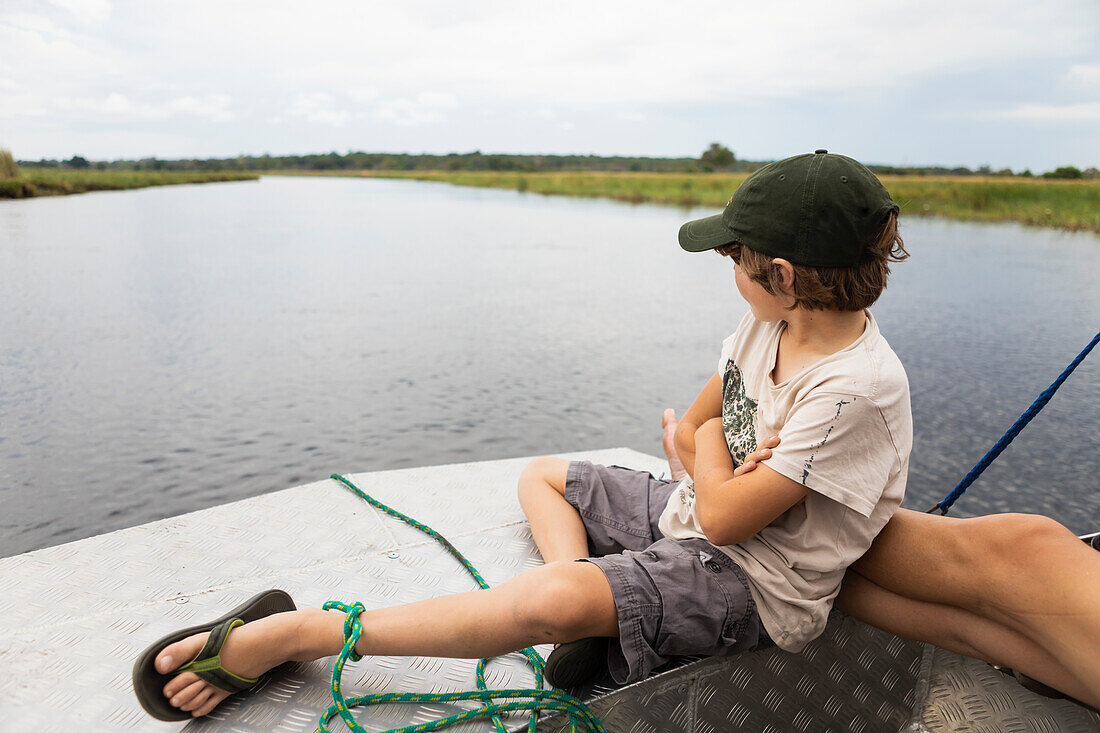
207 665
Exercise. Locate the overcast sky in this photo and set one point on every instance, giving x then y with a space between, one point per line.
1003 83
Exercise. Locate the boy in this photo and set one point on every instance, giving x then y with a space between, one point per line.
811 238
724 561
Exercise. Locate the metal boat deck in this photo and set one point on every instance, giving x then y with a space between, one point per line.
74 617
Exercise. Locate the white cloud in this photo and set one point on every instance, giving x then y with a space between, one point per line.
506 75
1054 112
114 104
317 107
118 104
363 94
616 54
1084 75
88 11
51 59
214 107
18 102
33 24
425 108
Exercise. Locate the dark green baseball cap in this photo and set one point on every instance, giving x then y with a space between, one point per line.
819 209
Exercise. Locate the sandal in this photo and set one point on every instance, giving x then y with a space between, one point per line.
576 662
149 683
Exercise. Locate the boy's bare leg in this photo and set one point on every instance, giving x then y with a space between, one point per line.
555 524
558 602
954 629
1024 572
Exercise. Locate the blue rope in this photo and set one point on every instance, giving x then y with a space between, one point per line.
1012 432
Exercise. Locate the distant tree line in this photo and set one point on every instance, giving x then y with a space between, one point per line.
716 157
361 161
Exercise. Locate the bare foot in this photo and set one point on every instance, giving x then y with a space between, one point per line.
249 651
668 440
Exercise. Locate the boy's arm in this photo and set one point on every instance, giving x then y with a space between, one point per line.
730 508
706 406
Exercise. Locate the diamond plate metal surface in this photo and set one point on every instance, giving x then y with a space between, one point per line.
968 695
852 678
74 617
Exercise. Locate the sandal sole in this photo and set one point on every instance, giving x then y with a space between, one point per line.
576 662
149 683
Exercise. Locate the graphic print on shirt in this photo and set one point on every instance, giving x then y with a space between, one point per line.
738 415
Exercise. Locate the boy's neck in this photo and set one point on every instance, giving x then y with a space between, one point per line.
813 335
823 331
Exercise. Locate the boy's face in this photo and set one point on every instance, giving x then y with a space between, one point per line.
764 305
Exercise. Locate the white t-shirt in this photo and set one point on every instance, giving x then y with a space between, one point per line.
846 431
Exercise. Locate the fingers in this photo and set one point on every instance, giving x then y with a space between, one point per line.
762 453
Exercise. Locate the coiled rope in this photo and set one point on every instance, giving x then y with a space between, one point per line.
580 717
1012 432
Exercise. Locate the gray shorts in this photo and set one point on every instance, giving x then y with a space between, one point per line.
673 597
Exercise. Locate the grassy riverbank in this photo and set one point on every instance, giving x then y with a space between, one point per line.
1060 204
55 182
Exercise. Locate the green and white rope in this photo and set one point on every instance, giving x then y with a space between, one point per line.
536 699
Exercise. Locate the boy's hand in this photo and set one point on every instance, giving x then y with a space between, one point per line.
762 453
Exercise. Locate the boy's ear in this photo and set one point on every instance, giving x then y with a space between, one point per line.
786 272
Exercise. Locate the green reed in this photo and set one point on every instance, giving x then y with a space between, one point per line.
55 181
1060 204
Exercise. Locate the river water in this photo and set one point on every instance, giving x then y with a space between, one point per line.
169 349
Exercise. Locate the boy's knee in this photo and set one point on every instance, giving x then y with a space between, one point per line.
557 607
544 470
1017 539
1027 535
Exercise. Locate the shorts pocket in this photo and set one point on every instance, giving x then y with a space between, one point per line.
741 626
694 605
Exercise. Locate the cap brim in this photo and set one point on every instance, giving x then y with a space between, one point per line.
703 234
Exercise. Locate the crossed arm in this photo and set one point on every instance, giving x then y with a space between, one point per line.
732 503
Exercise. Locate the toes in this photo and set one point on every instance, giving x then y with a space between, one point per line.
179 683
187 694
181 652
668 417
210 704
198 700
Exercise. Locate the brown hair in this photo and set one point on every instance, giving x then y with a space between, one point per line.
828 288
